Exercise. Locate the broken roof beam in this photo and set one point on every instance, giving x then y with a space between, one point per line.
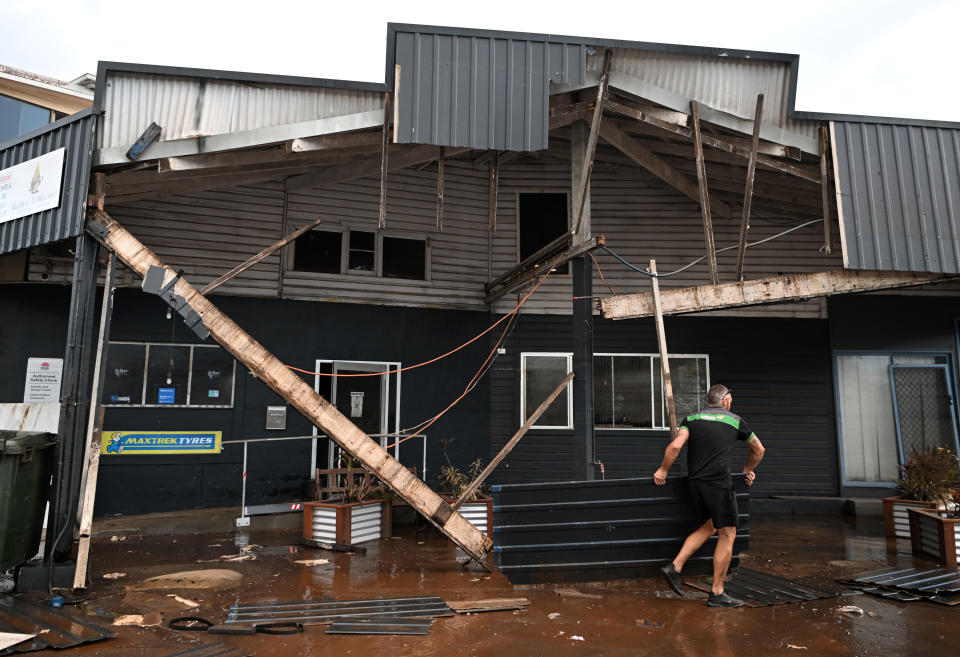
401 156
247 138
776 289
562 249
297 150
295 390
739 149
640 154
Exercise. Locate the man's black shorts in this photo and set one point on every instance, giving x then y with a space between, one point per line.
711 502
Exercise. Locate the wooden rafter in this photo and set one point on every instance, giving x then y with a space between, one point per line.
748 189
776 289
711 247
494 188
384 153
825 190
580 196
640 154
441 174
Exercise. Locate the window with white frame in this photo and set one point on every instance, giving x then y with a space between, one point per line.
540 373
161 375
627 389
362 253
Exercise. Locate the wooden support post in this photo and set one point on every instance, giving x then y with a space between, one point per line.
664 359
88 488
776 289
704 195
580 197
441 171
211 286
825 190
384 152
296 391
494 188
487 471
748 191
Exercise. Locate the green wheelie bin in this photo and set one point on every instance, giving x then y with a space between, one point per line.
26 461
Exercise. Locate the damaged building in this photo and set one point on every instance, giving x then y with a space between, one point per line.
517 181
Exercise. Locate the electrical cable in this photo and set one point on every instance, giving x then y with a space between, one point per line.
597 265
718 251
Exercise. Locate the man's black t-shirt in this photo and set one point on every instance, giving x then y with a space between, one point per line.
713 433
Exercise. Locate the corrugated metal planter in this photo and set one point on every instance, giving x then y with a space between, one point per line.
933 534
479 512
348 523
895 517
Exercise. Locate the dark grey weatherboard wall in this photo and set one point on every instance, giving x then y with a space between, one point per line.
779 370
297 332
74 134
480 90
899 188
581 531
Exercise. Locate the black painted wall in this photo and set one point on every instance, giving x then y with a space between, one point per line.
297 332
779 369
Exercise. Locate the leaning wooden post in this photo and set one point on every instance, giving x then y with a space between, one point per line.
748 190
704 194
487 471
825 190
384 152
299 394
664 360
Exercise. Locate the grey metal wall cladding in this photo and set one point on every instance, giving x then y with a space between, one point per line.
899 192
579 531
480 91
75 134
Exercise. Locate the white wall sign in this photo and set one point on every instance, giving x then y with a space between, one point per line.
31 186
356 404
43 380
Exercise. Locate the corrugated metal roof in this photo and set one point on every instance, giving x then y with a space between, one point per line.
480 91
75 134
728 84
188 107
899 196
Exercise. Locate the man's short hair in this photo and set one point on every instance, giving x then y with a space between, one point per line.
716 393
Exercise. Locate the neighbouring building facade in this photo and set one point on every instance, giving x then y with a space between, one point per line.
494 142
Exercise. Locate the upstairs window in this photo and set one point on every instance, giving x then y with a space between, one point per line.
541 219
362 253
18 118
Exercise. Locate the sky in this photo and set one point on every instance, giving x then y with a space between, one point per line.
878 57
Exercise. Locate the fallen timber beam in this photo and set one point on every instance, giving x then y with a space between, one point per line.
295 391
532 266
776 289
521 432
748 189
582 189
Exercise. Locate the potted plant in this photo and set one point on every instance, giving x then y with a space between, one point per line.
925 482
936 533
358 513
478 507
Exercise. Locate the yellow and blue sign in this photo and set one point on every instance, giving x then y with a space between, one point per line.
160 442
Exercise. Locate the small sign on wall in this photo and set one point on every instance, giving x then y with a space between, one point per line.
43 380
356 404
160 442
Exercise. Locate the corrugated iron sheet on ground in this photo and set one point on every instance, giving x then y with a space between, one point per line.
55 628
940 585
327 611
598 530
758 589
381 625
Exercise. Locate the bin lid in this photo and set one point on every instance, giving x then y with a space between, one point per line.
18 442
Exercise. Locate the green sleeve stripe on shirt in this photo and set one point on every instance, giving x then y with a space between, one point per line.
726 419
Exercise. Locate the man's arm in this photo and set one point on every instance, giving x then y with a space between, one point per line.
670 455
753 460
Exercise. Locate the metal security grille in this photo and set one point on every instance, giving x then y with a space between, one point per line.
924 408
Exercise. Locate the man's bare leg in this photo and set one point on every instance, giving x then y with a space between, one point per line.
722 556
693 543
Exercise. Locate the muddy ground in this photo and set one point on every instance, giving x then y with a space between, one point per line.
626 618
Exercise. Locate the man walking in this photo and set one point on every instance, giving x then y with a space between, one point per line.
712 433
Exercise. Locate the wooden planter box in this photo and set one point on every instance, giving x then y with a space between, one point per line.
895 517
479 513
348 523
935 535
